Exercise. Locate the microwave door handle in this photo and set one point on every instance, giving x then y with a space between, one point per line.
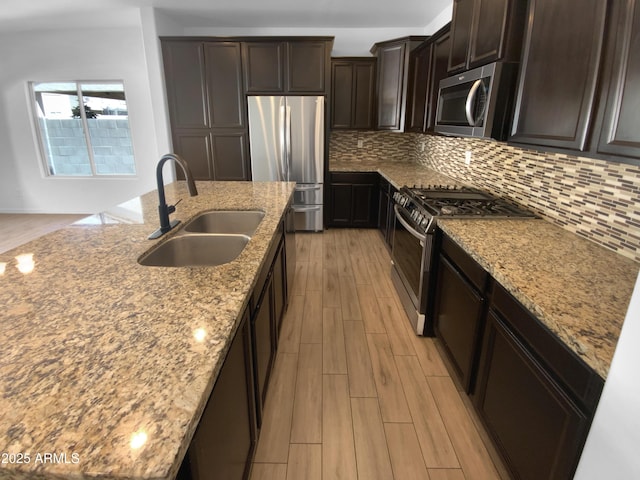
468 106
406 225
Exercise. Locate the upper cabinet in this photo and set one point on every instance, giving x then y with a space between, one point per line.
428 65
578 85
393 79
485 31
282 67
352 92
207 107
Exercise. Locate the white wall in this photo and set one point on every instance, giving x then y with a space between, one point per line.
58 55
611 450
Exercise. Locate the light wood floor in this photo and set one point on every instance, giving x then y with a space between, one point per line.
354 393
16 229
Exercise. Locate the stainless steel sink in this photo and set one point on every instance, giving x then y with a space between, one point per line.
195 250
244 222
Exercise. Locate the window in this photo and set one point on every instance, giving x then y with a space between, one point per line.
83 128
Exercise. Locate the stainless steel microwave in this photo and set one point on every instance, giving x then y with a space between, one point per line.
478 102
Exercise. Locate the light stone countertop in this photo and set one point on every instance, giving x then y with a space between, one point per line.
97 348
578 289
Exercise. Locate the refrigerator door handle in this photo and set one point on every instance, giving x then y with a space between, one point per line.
287 129
305 188
284 159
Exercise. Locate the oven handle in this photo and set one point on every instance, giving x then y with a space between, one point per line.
406 225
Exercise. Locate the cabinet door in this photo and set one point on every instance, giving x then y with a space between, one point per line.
306 67
184 72
341 93
440 46
559 71
420 62
383 211
223 444
263 348
364 75
263 66
340 210
457 315
195 148
279 290
230 155
364 205
488 31
620 101
224 84
460 34
391 78
537 428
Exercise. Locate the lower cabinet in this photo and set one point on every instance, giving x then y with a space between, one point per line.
223 445
386 214
224 442
534 395
353 200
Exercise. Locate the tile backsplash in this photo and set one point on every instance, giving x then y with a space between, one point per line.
596 199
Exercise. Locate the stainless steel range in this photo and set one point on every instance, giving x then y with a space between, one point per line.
416 212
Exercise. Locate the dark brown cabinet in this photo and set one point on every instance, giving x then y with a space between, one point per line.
386 213
428 66
207 107
352 92
616 129
295 67
459 306
485 31
559 73
535 396
223 444
392 82
353 200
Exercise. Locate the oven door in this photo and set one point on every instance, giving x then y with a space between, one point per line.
411 253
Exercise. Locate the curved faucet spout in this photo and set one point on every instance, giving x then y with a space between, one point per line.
163 209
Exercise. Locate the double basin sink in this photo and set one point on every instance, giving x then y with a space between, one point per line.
211 238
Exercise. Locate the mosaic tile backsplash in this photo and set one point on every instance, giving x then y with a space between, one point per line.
596 199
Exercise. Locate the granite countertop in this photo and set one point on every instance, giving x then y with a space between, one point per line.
578 289
100 353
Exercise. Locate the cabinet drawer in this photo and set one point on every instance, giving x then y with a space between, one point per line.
474 272
355 177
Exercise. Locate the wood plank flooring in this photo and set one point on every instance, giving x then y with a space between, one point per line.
21 228
355 394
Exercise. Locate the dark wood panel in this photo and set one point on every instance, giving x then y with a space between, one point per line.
488 31
263 347
539 431
306 67
185 82
224 84
364 201
263 64
419 72
364 77
391 76
195 148
559 72
440 47
340 206
341 93
230 155
460 34
620 101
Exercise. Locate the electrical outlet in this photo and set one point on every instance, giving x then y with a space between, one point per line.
360 143
467 157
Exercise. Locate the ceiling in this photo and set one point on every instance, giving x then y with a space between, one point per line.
55 14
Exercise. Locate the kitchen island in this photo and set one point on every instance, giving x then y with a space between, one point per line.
106 365
576 288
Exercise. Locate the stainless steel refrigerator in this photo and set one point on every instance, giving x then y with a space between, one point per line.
286 140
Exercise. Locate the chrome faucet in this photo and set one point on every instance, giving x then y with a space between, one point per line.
163 209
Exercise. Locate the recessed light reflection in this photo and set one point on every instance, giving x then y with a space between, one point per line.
199 334
25 263
3 266
138 439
